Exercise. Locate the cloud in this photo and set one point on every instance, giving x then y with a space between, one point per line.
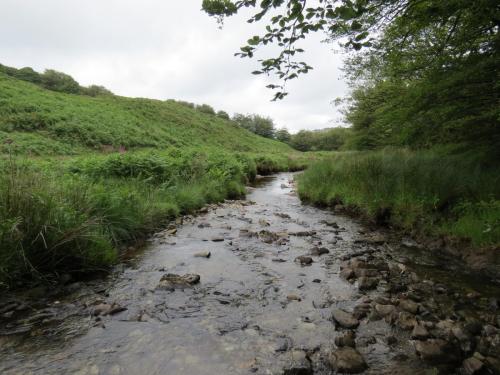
164 49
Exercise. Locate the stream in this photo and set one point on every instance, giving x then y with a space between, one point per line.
273 276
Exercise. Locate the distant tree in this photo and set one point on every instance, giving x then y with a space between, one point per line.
263 126
205 108
223 115
283 135
330 139
57 81
96 90
28 74
186 104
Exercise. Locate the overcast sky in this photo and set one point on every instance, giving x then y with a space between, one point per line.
165 49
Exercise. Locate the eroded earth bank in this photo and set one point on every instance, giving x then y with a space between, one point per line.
265 286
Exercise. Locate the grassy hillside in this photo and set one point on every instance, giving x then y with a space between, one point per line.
83 177
43 122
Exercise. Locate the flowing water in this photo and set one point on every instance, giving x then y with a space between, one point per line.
253 309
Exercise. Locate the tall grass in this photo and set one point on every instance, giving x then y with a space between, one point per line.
424 190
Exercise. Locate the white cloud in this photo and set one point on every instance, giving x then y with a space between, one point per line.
164 49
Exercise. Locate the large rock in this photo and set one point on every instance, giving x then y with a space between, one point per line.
344 319
304 260
409 306
367 283
347 273
347 339
347 360
172 281
419 332
384 310
435 351
472 365
298 364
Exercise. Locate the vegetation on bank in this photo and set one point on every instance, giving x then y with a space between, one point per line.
420 191
84 177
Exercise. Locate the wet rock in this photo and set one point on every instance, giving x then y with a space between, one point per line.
284 186
436 351
419 332
217 239
374 239
304 260
472 366
171 232
406 321
202 254
347 360
362 310
267 236
347 339
344 319
384 310
282 215
298 364
264 223
347 273
391 340
172 281
278 260
115 309
100 309
204 225
307 233
318 251
408 306
293 297
367 283
317 281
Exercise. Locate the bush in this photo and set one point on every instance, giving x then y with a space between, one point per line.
205 108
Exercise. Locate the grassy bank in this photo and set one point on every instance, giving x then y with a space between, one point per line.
425 191
74 215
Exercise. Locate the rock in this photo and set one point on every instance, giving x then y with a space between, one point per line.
347 360
217 239
472 366
317 281
278 260
115 309
172 281
282 215
384 310
203 254
264 223
366 272
406 321
391 340
204 225
348 339
304 260
365 341
367 283
100 309
303 233
318 251
435 351
298 364
293 297
361 310
344 319
409 306
419 332
171 232
347 273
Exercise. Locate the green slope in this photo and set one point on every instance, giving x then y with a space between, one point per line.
43 122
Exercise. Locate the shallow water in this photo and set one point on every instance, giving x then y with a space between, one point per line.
238 320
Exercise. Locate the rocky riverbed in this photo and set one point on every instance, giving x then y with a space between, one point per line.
264 286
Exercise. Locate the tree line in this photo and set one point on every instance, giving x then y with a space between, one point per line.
53 80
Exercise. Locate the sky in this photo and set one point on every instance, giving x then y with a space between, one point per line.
167 49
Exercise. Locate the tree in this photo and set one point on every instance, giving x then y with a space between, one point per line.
263 126
57 81
223 115
283 135
96 90
205 108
